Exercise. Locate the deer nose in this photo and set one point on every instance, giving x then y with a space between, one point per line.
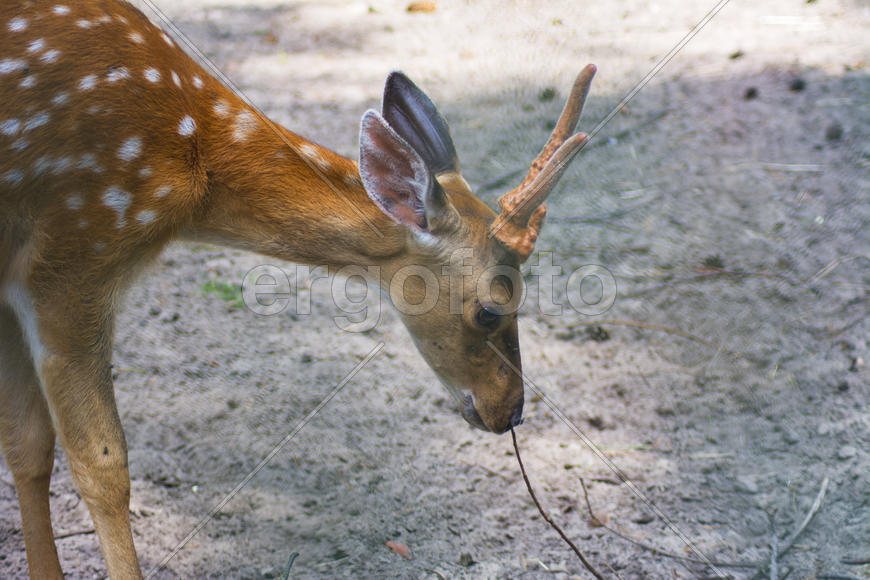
517 417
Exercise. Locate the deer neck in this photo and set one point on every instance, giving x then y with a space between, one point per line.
272 192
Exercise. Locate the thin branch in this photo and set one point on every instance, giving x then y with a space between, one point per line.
653 549
817 504
74 533
290 561
546 517
662 328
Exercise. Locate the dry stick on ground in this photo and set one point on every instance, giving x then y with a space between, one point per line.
74 533
651 326
546 517
817 504
653 549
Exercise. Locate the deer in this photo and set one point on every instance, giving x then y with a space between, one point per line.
113 142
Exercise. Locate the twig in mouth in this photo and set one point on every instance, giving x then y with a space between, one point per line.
547 518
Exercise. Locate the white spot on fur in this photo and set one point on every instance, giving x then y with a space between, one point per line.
119 200
10 126
176 80
36 121
84 24
104 19
54 165
313 155
27 82
83 223
130 149
136 37
88 161
11 65
50 56
36 45
145 172
187 126
75 202
222 109
18 24
87 82
245 123
60 99
14 177
146 216
121 19
197 82
60 10
20 144
163 191
166 39
152 75
118 74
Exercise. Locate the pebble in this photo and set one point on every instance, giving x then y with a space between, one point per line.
797 84
847 452
834 132
746 484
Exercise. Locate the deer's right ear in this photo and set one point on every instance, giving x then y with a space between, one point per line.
396 177
414 116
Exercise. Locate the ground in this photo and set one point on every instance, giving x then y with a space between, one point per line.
727 382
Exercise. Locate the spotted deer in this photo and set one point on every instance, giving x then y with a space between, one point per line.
113 142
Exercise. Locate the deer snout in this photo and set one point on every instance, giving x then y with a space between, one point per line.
496 424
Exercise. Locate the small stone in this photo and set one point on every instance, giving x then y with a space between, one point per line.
797 84
843 386
746 484
305 358
790 436
548 94
751 93
736 54
834 132
847 452
465 559
155 311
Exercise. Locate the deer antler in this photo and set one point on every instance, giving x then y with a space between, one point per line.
522 209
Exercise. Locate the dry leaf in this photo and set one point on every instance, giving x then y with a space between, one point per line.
421 7
399 549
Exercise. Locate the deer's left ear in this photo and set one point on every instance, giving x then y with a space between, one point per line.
414 116
397 179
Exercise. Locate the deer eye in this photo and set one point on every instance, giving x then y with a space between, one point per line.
487 316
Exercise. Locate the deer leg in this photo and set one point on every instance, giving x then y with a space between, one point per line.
82 400
73 338
27 437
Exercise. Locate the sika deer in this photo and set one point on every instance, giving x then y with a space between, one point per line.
114 142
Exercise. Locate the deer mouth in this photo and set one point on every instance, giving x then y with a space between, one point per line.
470 414
472 417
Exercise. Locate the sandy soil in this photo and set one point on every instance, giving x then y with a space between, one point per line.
729 199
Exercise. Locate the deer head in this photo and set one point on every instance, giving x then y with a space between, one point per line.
457 285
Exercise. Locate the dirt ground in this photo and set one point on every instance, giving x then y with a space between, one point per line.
730 199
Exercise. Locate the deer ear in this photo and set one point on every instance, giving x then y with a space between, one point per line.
396 177
413 116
